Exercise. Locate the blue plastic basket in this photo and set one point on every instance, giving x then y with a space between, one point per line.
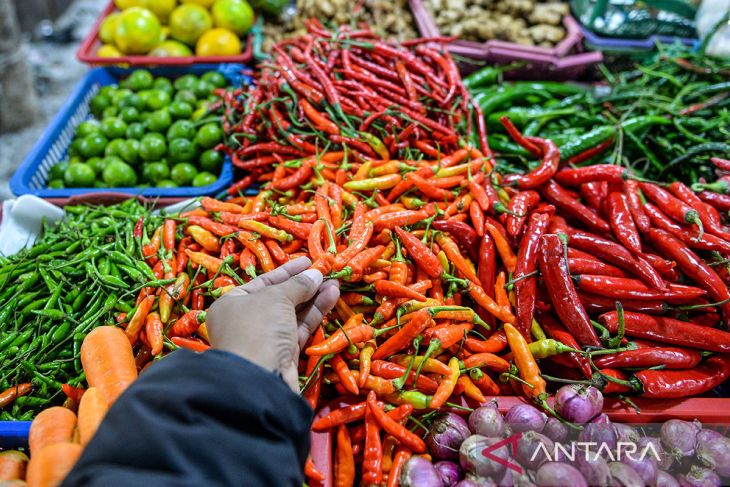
32 175
14 434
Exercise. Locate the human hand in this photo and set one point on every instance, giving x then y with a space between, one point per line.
269 319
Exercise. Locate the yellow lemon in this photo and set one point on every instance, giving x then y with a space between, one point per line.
189 22
161 8
107 50
137 32
108 27
171 49
202 3
125 4
218 42
234 15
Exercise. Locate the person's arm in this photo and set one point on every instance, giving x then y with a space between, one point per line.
225 417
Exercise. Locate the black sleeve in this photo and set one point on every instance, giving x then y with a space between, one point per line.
200 419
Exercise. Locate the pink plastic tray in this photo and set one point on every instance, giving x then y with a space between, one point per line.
87 51
707 410
564 61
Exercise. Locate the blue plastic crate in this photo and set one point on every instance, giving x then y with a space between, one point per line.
52 146
14 434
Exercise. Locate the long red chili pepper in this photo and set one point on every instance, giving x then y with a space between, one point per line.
691 238
622 222
694 267
626 288
564 201
556 331
519 207
672 206
526 285
596 172
666 357
668 330
662 384
554 270
421 255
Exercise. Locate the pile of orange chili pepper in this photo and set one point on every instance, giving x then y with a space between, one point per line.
457 283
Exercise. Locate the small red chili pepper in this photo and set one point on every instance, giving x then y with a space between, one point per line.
622 222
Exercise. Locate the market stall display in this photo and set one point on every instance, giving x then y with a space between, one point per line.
492 240
161 32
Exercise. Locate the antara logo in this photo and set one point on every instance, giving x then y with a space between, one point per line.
589 450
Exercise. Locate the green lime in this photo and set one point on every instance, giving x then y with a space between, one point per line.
183 173
92 145
131 100
157 99
211 161
129 114
73 149
186 96
202 89
114 148
182 129
152 147
181 150
56 184
208 135
163 84
135 131
100 184
113 127
154 172
79 175
108 90
215 78
159 121
123 94
204 179
119 175
88 127
109 112
180 109
57 170
185 82
76 158
130 151
144 116
100 103
167 183
140 79
97 164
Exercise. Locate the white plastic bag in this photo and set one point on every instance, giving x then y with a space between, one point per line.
708 15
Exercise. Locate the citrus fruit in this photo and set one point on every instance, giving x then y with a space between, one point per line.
189 22
161 8
159 121
181 150
171 48
79 175
167 183
92 145
218 42
88 127
155 172
183 173
129 114
108 27
125 4
113 128
158 99
202 3
234 15
140 79
135 130
164 84
129 151
215 78
152 147
211 161
118 174
114 148
56 184
208 135
204 179
107 50
58 170
137 32
97 164
180 109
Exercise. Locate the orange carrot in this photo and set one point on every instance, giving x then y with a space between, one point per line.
50 466
92 409
54 425
12 465
107 358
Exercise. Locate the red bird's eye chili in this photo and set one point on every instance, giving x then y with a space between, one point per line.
519 207
554 270
421 255
526 284
372 472
462 232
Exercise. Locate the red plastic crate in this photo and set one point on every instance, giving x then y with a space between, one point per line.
707 410
91 43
